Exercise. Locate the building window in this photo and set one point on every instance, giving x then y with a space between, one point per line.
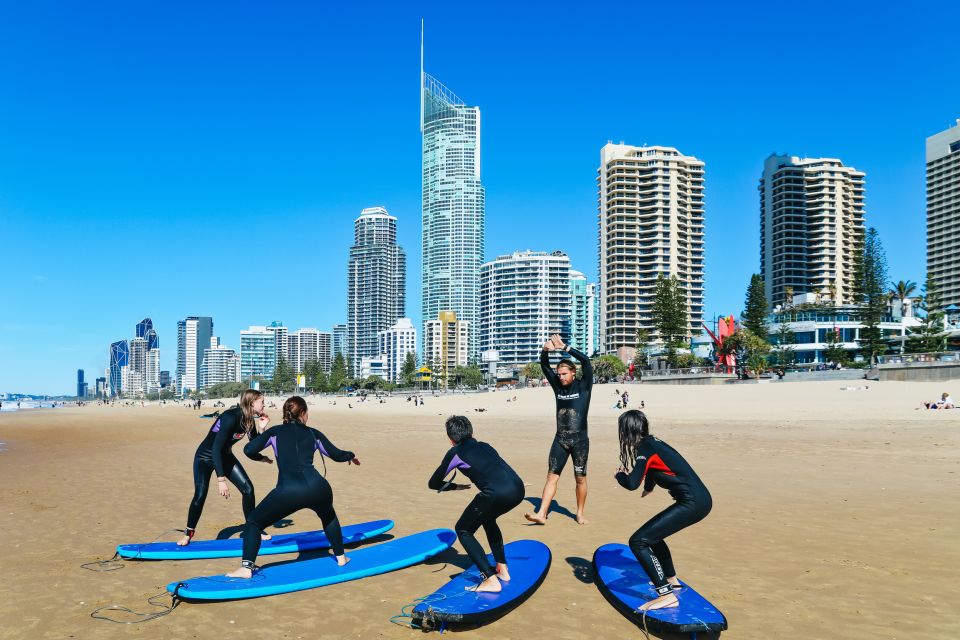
955 146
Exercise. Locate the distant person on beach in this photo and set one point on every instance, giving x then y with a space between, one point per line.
299 485
572 404
215 454
501 489
945 402
648 462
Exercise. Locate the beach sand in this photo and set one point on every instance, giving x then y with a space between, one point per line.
836 513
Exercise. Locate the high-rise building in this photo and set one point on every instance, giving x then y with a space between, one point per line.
811 228
394 345
137 376
651 223
583 315
280 336
453 205
220 364
258 353
376 282
119 359
81 385
146 331
524 299
307 344
152 373
164 379
101 388
447 344
324 342
193 334
338 341
943 213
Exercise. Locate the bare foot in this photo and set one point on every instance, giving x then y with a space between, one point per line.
535 518
490 585
663 602
581 519
342 560
265 536
503 573
185 540
242 572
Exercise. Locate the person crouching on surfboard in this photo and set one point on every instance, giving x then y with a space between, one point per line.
647 461
501 489
299 485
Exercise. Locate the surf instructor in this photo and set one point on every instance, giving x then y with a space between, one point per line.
571 441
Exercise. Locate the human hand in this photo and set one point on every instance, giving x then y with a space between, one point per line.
645 493
223 487
461 487
558 342
355 461
266 459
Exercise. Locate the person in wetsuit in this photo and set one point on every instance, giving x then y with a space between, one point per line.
571 440
215 453
501 489
299 485
648 462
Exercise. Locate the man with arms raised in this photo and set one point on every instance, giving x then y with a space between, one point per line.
573 403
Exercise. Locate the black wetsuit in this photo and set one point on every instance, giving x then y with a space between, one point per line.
299 486
659 464
215 453
573 404
501 489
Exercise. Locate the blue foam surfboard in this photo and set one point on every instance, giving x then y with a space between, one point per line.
318 572
528 561
626 586
233 547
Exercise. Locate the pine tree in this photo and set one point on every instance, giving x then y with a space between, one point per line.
284 379
409 370
870 294
755 307
338 373
929 336
670 311
783 353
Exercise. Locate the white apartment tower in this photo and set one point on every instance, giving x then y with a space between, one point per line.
280 334
524 299
220 364
811 227
943 213
395 343
651 217
308 344
376 296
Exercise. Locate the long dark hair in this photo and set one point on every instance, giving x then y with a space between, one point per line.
246 406
633 427
293 409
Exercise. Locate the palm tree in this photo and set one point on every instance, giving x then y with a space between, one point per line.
902 290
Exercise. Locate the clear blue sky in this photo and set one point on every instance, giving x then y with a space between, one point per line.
209 158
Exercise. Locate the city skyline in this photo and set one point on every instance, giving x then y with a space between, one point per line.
180 173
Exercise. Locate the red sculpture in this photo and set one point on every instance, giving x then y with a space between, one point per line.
725 328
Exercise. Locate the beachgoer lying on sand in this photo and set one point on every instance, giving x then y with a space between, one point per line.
501 489
945 402
649 462
299 486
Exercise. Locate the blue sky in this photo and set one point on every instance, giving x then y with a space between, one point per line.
209 158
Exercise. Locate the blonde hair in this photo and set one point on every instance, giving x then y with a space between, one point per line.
246 406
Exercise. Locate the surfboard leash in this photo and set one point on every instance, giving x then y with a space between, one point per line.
428 621
116 562
144 617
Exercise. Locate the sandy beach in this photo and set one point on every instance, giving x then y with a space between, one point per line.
836 513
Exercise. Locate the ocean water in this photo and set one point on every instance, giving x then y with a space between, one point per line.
11 405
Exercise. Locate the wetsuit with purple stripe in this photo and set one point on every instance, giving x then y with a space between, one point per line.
215 453
501 489
299 485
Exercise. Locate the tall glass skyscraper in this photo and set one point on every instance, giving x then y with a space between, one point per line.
119 358
453 205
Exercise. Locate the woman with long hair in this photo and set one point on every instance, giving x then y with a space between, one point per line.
299 485
215 453
647 461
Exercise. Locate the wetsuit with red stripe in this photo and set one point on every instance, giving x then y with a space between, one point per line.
659 464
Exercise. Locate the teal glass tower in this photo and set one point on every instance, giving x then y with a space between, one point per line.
453 206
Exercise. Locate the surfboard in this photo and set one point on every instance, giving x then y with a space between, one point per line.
626 586
285 577
528 561
233 547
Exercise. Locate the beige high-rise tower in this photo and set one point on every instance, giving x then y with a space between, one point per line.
943 213
811 227
651 223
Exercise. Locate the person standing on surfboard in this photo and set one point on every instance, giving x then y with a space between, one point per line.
649 462
299 485
571 440
501 489
215 453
